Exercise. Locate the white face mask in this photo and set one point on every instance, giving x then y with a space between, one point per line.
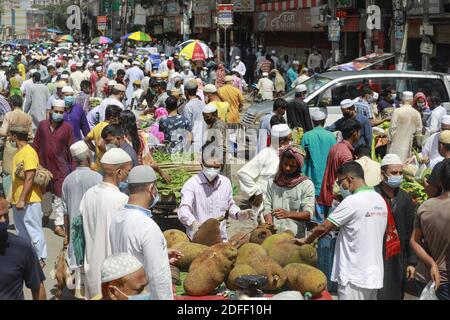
210 173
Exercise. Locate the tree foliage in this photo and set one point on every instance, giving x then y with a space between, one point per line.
56 15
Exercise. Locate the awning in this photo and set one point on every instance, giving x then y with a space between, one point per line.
51 30
363 62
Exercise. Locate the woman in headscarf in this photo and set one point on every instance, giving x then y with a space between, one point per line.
290 198
421 104
220 75
278 82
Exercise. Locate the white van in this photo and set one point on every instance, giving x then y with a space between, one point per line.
327 90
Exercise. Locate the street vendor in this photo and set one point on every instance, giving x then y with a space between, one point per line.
209 195
290 197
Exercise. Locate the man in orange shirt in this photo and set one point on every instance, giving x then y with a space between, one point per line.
234 97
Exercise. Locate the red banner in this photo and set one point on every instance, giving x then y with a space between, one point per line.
287 21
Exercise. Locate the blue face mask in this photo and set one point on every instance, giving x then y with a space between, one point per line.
344 193
140 297
69 100
394 181
57 117
123 186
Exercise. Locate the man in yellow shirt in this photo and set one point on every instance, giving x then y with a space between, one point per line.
26 196
211 97
112 116
21 67
234 97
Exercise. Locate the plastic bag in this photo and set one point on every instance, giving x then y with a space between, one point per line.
429 292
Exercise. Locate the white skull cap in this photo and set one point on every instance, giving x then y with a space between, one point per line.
118 266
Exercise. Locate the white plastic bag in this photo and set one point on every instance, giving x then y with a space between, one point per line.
429 292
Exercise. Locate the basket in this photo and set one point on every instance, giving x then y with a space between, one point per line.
325 253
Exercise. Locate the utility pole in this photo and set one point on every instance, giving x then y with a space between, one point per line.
334 44
425 37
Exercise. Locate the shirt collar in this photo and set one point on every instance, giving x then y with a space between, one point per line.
348 145
203 180
146 212
363 188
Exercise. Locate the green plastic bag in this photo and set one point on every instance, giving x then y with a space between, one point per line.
78 239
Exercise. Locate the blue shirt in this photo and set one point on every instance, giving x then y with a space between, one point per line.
364 109
317 144
292 75
366 130
77 119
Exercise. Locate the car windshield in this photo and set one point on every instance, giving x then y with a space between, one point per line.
313 84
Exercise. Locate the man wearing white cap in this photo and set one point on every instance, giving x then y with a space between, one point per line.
239 66
52 142
131 75
98 206
76 78
430 152
134 231
298 111
74 187
186 75
75 115
303 76
279 110
361 217
216 133
115 66
254 175
265 87
27 83
212 97
317 144
348 110
123 278
116 98
36 101
400 267
58 95
163 64
406 123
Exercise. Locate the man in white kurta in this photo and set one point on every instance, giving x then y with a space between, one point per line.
131 75
134 231
254 176
265 87
430 151
406 122
98 206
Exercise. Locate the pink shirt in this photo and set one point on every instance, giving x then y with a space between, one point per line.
200 201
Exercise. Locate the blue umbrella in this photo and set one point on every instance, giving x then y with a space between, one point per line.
126 36
51 30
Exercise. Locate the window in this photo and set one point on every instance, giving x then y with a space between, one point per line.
428 86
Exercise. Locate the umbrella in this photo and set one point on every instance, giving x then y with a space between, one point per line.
67 38
51 30
139 36
126 36
197 50
185 43
101 40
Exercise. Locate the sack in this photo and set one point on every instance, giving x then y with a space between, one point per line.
42 177
429 292
78 239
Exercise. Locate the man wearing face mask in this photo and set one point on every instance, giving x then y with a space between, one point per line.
134 231
123 278
74 187
52 143
339 154
349 112
114 137
209 195
116 97
361 218
19 264
401 267
97 208
75 115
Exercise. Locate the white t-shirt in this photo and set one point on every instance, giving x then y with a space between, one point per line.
358 256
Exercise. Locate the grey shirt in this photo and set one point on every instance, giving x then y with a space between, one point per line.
74 187
36 105
193 111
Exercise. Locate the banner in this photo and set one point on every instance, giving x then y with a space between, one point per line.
287 21
225 14
102 23
243 5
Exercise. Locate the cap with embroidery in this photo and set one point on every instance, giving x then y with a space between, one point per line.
407 95
280 130
347 103
209 108
391 159
142 174
444 137
78 148
118 266
115 156
301 88
318 116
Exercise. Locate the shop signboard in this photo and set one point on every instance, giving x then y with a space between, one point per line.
243 5
286 21
102 23
334 31
225 14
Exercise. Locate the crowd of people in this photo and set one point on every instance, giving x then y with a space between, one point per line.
73 147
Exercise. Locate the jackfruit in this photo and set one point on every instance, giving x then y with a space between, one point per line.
305 278
174 236
239 239
266 266
209 232
260 234
285 253
210 269
275 239
190 251
236 272
248 251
